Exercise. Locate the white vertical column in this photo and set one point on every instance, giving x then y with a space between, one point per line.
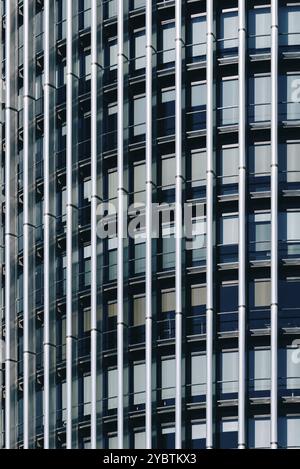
210 224
242 227
72 226
49 227
95 200
28 226
149 187
69 329
11 9
121 221
178 223
274 224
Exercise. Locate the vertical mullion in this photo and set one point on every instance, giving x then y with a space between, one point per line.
49 227
121 221
95 200
274 224
210 224
242 227
29 225
178 223
2 381
11 9
72 225
149 186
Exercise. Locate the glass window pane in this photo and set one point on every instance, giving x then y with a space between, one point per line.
229 367
168 172
198 296
139 311
168 42
293 432
112 309
139 440
168 378
198 375
229 165
229 29
139 115
228 433
113 442
139 383
198 431
289 432
139 177
260 159
260 369
293 223
229 230
198 95
168 301
292 368
229 101
87 394
289 25
260 96
293 161
259 24
112 388
198 169
198 39
262 293
140 51
259 432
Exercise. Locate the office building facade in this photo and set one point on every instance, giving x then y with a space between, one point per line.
150 341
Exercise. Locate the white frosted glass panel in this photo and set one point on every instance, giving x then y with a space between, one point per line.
229 29
293 162
262 293
168 301
293 432
262 369
259 24
198 431
140 51
229 230
139 440
229 165
198 372
293 224
64 401
261 163
261 98
198 296
229 372
139 183
168 378
139 311
229 101
168 43
112 388
198 94
139 115
259 433
139 383
292 368
168 172
87 395
198 169
198 25
289 25
113 442
229 426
